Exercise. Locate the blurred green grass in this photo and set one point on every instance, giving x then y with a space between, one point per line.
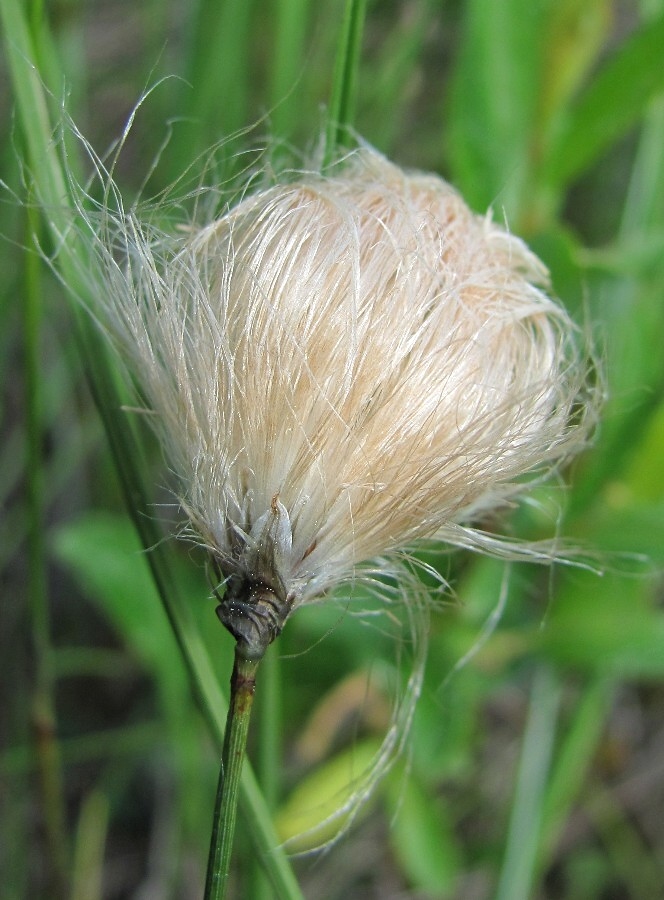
534 770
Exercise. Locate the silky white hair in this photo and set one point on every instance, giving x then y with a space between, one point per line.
354 361
339 366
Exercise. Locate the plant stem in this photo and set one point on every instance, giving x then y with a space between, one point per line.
243 684
344 83
43 697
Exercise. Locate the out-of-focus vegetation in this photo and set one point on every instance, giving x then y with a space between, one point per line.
536 767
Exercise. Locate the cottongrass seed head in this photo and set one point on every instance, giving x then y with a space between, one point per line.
339 366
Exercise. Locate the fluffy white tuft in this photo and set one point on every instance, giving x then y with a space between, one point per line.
342 365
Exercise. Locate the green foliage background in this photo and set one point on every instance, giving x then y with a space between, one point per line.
535 768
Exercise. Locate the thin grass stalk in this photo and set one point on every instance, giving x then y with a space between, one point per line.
87 877
573 762
51 189
243 685
344 84
523 837
43 698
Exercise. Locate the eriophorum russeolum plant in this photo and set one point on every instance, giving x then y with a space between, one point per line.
344 363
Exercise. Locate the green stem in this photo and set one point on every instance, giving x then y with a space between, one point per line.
243 684
342 99
43 703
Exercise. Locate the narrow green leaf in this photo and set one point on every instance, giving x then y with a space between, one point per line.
290 29
104 553
575 34
638 257
573 761
307 819
215 97
91 835
644 207
610 105
523 838
33 110
392 80
632 314
620 524
493 102
422 836
606 625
